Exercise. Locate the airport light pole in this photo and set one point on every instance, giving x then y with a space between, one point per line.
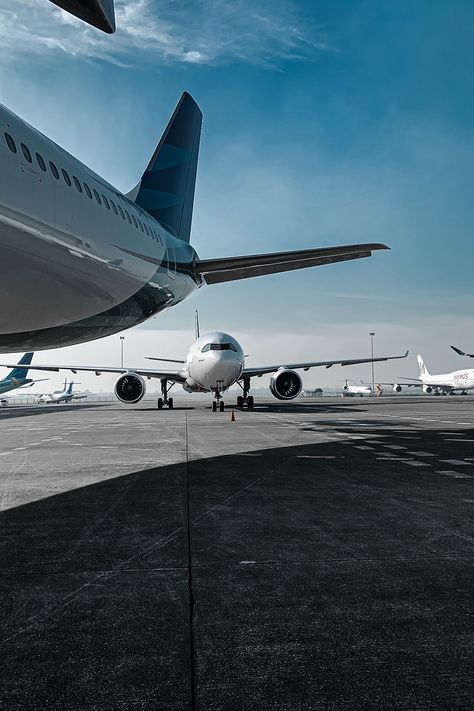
122 338
372 334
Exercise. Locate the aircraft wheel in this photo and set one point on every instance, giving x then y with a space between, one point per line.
240 401
160 403
250 402
221 406
170 403
214 406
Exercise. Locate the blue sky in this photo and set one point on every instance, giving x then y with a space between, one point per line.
324 123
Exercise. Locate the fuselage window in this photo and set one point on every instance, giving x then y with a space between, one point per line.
41 163
134 221
128 217
97 196
54 170
10 142
113 206
66 177
77 183
26 152
88 191
106 202
121 213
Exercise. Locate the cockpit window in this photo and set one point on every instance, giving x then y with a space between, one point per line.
219 347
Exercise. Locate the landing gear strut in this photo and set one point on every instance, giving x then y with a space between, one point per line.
165 400
245 399
218 404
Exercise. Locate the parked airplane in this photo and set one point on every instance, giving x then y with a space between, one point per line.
99 13
468 355
461 380
214 362
60 396
17 377
360 390
97 261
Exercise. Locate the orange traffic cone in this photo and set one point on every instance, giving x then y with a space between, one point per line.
232 416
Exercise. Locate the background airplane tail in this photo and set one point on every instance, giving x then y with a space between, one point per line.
422 366
166 190
21 373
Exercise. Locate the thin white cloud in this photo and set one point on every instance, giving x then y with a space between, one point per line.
205 32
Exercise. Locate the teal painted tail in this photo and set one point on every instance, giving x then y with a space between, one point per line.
166 190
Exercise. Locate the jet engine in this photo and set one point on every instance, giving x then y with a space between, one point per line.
285 385
130 388
397 388
427 389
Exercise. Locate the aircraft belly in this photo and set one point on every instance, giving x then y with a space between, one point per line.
47 284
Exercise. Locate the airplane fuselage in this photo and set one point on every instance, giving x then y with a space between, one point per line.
214 362
79 259
457 380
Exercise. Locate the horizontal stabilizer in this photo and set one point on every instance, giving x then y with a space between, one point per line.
215 271
99 13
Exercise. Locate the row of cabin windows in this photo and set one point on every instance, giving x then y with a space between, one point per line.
124 214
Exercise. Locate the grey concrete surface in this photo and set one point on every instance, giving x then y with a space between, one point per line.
311 555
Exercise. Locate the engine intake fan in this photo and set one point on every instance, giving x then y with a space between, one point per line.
130 388
285 385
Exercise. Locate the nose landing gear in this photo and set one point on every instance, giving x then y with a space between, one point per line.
165 400
218 404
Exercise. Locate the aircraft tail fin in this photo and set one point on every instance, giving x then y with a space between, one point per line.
166 189
20 373
196 326
422 366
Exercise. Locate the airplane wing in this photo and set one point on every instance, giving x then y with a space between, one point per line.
459 352
215 271
98 370
257 372
29 385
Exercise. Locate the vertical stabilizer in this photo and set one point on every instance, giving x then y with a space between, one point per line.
21 373
196 326
166 190
422 366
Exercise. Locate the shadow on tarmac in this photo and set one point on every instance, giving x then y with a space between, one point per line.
321 578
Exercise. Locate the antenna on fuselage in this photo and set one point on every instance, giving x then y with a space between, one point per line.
196 325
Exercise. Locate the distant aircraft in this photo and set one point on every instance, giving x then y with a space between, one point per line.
60 396
17 378
461 353
96 261
359 390
214 362
99 13
447 383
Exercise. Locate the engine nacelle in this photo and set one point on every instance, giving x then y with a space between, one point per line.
285 385
130 388
427 389
397 388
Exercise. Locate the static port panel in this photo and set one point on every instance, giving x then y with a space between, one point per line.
99 13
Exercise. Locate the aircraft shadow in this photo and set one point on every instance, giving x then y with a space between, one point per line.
320 574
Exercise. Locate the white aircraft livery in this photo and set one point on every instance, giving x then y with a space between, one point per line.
80 260
214 362
459 380
60 396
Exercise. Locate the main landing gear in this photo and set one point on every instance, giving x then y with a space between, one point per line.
165 400
245 399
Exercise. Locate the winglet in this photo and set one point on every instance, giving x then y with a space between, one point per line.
461 353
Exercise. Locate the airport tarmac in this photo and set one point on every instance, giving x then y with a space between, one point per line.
316 554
